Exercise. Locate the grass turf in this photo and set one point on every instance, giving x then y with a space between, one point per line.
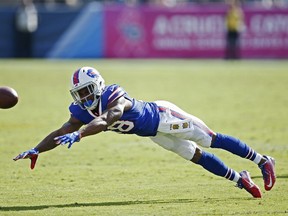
112 174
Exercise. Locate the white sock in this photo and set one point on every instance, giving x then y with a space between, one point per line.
236 177
257 158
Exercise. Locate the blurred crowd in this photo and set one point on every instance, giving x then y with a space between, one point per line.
267 3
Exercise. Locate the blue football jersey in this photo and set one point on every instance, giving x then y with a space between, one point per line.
141 119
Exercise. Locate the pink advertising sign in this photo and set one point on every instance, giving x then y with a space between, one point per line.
198 32
266 33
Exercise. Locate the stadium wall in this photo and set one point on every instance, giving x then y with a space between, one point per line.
6 32
118 31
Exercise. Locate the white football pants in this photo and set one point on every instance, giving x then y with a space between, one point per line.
179 131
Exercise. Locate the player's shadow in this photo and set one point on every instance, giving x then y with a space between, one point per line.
123 203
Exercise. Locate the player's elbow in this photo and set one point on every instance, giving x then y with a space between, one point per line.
103 126
113 117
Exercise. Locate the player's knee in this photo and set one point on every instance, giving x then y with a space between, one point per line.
197 155
203 138
185 150
213 140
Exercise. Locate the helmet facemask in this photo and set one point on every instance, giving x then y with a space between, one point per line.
87 96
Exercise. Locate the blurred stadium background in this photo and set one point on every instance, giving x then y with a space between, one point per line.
139 29
121 175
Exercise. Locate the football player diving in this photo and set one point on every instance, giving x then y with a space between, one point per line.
98 107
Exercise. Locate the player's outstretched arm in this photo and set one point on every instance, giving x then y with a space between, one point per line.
99 124
48 142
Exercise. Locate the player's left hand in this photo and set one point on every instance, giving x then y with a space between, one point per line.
32 154
68 138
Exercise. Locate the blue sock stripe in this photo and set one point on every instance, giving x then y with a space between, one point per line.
253 155
249 154
228 174
232 176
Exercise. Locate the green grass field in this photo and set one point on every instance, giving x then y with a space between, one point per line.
112 174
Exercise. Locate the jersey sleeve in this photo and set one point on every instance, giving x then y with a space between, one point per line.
112 93
78 113
116 92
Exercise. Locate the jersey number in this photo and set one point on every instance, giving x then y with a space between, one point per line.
121 126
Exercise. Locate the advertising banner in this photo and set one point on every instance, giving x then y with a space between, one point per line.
266 33
194 31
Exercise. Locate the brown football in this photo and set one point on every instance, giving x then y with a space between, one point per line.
8 97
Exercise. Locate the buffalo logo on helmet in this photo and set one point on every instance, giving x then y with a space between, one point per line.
92 73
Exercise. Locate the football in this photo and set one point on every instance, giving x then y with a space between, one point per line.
8 97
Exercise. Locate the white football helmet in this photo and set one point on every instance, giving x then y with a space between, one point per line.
86 87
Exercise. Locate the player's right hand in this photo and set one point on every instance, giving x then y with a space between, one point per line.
32 154
69 138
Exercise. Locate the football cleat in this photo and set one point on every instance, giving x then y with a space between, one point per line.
246 182
268 172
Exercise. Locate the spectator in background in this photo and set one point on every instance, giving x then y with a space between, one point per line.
26 23
234 26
